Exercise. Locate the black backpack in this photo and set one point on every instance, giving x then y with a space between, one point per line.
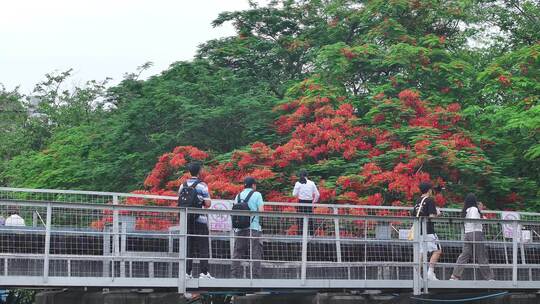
242 221
188 197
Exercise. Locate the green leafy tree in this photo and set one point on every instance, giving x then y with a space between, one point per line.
13 115
509 124
517 21
190 103
63 108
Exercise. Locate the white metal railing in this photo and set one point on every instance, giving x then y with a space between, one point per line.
102 239
121 198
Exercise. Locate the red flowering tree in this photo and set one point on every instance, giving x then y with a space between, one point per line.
366 139
355 160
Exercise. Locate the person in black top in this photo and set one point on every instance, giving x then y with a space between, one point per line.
197 229
427 208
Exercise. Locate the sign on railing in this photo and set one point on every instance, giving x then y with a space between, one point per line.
220 221
508 229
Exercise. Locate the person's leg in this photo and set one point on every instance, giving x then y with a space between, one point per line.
300 221
195 245
463 257
256 253
203 247
436 251
435 255
190 252
240 247
311 223
481 256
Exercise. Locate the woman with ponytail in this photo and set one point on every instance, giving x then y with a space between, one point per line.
306 192
474 237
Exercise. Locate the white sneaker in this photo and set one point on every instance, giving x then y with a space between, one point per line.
205 276
431 276
189 276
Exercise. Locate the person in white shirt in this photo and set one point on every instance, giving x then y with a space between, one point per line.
14 219
306 192
474 237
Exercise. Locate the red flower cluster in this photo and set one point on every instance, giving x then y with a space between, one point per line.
505 81
152 224
442 39
100 224
348 53
171 162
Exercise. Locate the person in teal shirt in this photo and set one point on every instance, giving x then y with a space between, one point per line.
249 240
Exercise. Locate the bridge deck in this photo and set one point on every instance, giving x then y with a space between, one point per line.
261 284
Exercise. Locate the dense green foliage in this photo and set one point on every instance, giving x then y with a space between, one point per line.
454 86
89 147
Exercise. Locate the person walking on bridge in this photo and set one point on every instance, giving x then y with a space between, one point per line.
474 248
425 207
307 193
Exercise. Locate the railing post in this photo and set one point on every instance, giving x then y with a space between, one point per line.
34 218
515 239
182 251
47 243
524 257
123 248
425 261
365 248
417 260
231 242
338 236
170 246
305 230
106 251
116 236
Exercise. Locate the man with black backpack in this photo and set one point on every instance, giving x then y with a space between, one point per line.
248 229
194 194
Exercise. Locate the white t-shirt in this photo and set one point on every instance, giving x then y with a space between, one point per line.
472 213
14 220
307 191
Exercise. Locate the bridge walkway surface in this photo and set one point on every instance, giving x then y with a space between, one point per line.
119 240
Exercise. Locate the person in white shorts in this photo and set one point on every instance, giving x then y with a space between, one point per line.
431 241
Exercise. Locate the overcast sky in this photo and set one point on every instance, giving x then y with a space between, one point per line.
102 38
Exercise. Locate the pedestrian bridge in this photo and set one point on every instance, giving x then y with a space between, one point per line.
109 240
